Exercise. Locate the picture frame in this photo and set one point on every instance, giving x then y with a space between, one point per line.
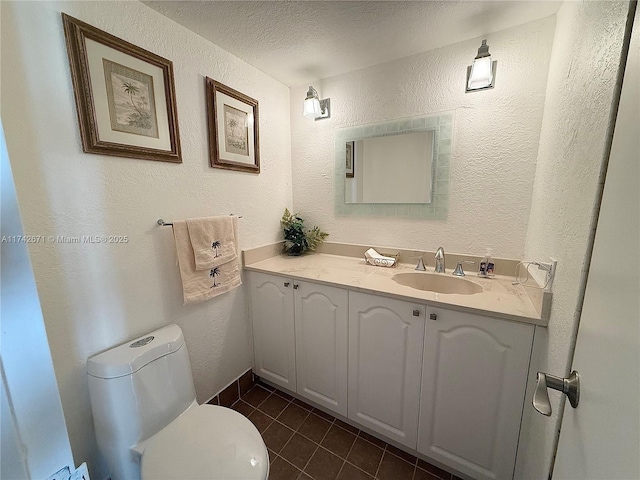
233 120
350 160
125 96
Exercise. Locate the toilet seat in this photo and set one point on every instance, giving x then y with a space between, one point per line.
206 442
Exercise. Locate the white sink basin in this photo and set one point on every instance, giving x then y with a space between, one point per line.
438 282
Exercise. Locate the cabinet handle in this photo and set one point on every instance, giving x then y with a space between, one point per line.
416 313
295 286
286 284
433 316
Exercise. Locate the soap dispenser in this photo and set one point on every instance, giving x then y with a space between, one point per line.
487 266
491 266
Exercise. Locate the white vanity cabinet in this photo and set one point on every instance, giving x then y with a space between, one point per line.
274 341
447 384
300 337
473 387
385 361
321 344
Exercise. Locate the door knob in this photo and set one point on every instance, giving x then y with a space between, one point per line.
570 386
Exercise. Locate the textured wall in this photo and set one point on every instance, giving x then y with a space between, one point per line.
582 74
95 296
495 146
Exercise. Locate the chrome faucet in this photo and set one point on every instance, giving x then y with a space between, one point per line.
440 260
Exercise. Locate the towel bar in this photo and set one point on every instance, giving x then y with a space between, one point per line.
162 223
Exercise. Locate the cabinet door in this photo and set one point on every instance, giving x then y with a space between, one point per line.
321 344
473 387
385 361
273 329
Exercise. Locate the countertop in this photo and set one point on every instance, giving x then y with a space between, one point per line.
499 299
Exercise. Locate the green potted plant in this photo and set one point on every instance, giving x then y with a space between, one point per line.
297 240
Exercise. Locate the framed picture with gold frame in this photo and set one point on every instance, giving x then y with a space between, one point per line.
234 141
125 96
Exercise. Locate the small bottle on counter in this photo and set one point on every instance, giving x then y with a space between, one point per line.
487 266
482 269
491 266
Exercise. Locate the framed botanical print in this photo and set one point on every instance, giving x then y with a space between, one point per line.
349 163
125 96
233 128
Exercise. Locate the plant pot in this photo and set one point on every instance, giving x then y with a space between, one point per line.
295 251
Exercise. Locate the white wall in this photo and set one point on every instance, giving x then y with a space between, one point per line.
584 64
496 135
30 399
95 296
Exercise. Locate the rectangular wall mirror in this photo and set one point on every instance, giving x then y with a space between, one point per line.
399 167
390 169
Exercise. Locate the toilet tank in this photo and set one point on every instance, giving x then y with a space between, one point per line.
137 389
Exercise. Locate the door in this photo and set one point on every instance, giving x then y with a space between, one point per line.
474 378
34 442
273 329
601 438
385 363
321 319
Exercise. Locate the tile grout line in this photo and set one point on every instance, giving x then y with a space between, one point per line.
358 468
371 443
317 444
275 419
384 451
377 446
256 407
347 455
287 461
290 402
294 431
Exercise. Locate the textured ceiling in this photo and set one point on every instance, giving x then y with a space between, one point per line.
298 42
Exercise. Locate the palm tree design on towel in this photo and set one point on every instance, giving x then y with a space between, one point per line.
213 274
215 246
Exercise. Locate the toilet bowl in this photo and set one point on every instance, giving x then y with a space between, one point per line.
149 426
206 442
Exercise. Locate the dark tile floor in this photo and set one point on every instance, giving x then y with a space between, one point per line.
306 443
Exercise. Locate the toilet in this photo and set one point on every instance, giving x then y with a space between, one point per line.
149 425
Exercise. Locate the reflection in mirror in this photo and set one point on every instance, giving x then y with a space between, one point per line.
408 175
390 169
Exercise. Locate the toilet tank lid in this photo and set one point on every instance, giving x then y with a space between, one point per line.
131 356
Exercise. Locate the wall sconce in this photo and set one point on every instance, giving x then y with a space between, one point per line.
482 74
314 107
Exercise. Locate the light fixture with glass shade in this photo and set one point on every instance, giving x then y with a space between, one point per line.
315 108
482 74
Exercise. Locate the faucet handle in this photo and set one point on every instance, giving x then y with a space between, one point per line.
459 272
420 257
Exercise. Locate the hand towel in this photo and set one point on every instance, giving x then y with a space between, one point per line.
201 285
214 240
